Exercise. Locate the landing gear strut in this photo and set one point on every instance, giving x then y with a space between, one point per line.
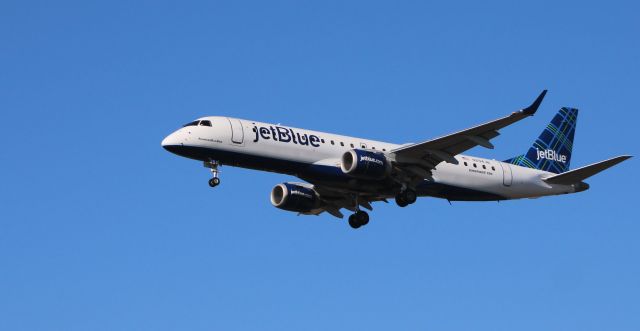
406 197
359 218
213 165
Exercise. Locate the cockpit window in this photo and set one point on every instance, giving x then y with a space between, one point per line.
205 123
194 123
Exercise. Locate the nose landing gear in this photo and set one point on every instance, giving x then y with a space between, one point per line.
213 165
215 181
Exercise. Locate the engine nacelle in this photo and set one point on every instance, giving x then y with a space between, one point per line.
365 164
294 197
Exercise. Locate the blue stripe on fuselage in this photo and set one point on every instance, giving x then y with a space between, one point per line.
326 174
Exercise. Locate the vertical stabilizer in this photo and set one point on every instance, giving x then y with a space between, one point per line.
552 150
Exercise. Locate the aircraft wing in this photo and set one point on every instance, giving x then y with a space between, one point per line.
334 200
429 153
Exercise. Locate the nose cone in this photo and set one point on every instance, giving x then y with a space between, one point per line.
171 142
179 143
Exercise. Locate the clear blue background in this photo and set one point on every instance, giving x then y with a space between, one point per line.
101 229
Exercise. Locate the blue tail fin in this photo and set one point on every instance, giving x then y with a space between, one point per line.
552 150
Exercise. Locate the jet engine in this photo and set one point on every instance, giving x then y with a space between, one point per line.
294 197
365 164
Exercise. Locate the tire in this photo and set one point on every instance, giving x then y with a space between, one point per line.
353 222
213 182
410 196
400 200
362 217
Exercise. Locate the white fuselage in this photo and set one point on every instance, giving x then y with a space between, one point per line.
284 149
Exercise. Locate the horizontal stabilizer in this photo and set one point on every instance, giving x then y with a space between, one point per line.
580 174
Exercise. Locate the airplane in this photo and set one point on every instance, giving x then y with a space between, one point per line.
342 172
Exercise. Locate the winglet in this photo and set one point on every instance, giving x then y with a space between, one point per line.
534 106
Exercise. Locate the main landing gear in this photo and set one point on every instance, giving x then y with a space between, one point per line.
359 218
406 197
213 165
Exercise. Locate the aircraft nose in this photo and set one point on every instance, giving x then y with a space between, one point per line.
178 143
170 141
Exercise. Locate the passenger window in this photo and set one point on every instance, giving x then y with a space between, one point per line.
352 146
322 140
341 143
205 123
493 168
194 123
332 143
465 164
484 166
373 147
474 165
384 149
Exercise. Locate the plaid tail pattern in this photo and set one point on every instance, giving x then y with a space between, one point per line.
552 150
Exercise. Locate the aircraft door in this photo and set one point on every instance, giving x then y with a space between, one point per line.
237 132
507 174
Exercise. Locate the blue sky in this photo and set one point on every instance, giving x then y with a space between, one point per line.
101 229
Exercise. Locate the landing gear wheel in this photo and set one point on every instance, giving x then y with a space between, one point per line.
410 196
358 219
215 172
400 200
353 222
406 198
362 217
215 181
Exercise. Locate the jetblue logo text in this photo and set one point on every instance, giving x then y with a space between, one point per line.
298 192
370 159
550 154
285 135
